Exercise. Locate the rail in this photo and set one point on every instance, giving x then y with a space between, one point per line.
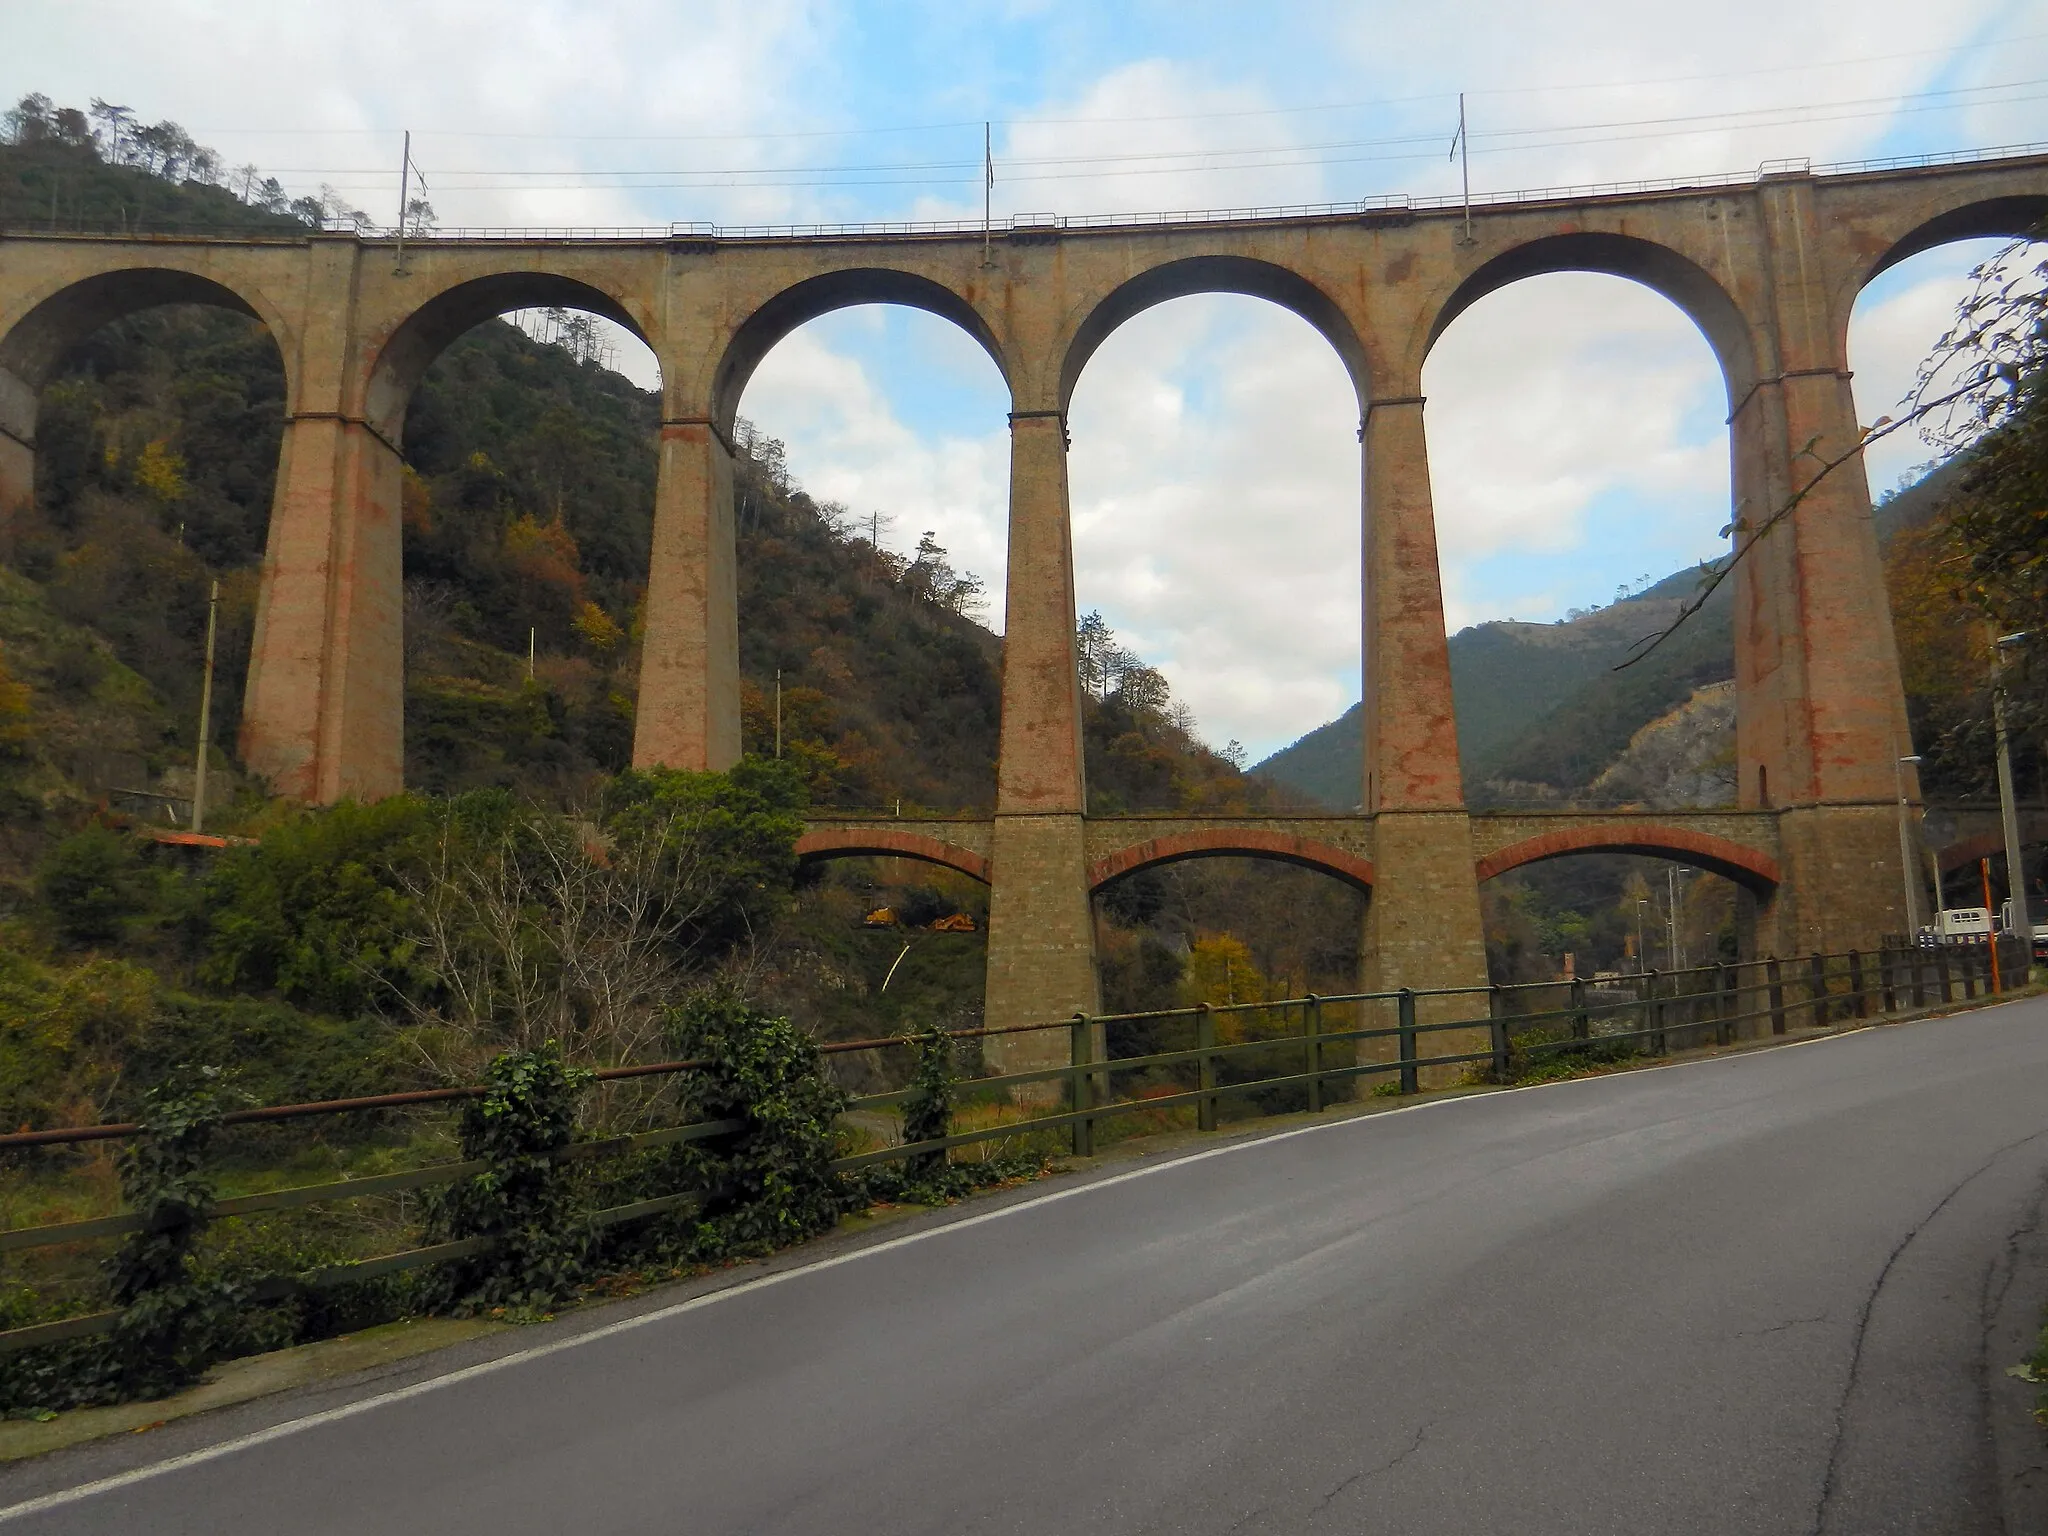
1504 1030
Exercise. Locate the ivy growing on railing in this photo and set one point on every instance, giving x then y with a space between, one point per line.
524 1202
173 1321
928 1114
772 1183
932 1178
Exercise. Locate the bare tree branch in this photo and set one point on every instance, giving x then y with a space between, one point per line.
1973 381
1719 571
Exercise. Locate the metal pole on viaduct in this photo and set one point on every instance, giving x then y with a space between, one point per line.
1768 268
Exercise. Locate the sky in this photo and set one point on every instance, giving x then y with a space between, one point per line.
1576 422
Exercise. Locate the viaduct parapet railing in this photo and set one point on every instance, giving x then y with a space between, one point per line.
1029 224
1768 267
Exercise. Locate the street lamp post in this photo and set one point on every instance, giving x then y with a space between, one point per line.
2015 865
1671 877
1642 955
1908 864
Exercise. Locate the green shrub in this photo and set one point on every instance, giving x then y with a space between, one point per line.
733 837
173 1322
68 1038
94 885
772 1183
933 1178
316 911
928 1116
526 1197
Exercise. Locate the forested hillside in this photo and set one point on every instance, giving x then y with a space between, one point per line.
1541 710
1544 714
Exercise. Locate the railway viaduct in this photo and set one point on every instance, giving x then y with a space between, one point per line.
1768 268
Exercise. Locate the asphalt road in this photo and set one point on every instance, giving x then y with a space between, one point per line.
1741 1295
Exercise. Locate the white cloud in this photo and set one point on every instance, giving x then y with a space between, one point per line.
1546 397
1150 115
319 93
1215 484
1893 330
1578 64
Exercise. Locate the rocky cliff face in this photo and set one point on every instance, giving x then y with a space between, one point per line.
1681 760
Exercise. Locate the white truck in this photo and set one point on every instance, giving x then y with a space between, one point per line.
1955 923
2005 925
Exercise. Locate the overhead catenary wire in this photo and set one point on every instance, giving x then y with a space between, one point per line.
1737 118
935 173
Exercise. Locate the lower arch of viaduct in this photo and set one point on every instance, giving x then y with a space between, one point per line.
1769 271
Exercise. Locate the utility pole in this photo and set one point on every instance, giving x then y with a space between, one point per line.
205 714
778 714
404 170
2015 863
1908 863
1672 894
988 187
1642 955
532 635
1461 149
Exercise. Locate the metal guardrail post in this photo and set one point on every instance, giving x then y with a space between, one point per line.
1312 1052
1656 1022
1819 983
1497 1029
1724 987
1972 964
1082 1053
1856 988
1410 1081
1205 1042
1942 981
1774 980
1917 974
1888 977
1582 1025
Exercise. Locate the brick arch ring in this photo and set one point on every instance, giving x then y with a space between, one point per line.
1718 855
1982 845
1244 842
854 843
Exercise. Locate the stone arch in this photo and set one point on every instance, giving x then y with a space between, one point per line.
2012 216
823 843
1241 842
57 320
1657 267
1211 274
50 325
806 301
431 328
1747 867
1967 851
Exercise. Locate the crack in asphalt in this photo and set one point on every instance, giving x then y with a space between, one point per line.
1421 1433
1827 1487
1998 1283
1790 1322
